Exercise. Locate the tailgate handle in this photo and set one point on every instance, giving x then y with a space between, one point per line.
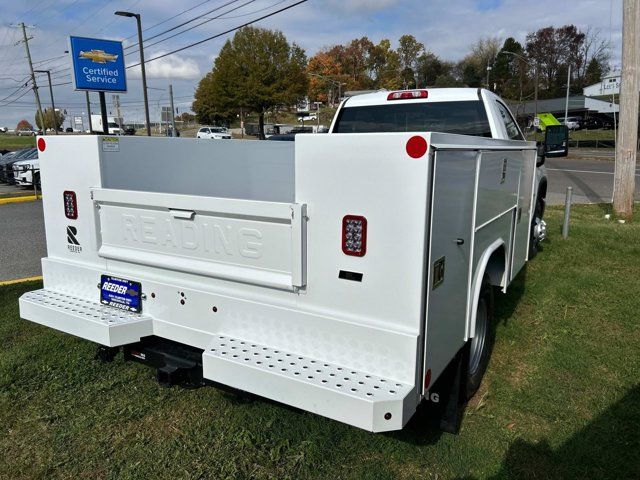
184 214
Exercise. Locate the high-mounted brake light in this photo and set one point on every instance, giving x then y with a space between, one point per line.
70 205
354 235
408 95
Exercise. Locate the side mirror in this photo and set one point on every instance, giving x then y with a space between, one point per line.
540 156
556 141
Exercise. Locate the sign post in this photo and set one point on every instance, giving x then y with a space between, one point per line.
98 66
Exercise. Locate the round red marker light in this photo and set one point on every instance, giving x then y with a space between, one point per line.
42 144
416 147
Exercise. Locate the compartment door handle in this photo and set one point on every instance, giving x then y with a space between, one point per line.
184 214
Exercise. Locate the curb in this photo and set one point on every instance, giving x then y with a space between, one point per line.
20 280
30 198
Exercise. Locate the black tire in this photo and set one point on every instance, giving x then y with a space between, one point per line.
481 345
36 179
534 242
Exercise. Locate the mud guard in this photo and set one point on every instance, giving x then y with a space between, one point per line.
446 399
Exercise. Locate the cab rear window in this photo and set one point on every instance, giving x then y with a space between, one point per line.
462 117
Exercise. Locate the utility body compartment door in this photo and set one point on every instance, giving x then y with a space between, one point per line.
454 184
248 241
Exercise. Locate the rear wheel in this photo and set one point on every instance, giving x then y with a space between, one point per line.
538 228
481 344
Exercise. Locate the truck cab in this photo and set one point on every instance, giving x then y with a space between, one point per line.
463 111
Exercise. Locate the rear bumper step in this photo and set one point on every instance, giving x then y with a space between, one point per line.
91 320
335 391
359 399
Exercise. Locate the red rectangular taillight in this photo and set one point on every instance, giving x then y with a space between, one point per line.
354 235
70 205
408 95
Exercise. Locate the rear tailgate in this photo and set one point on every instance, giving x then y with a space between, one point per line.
256 242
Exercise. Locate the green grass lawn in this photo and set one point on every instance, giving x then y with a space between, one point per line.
561 398
580 135
592 135
13 142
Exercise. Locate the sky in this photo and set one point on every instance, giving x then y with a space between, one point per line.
447 28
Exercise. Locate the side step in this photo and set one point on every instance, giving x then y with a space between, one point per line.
99 323
360 399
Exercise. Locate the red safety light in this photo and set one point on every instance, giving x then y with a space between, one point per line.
42 144
70 205
416 146
354 235
408 95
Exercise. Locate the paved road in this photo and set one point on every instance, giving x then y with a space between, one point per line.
591 179
22 241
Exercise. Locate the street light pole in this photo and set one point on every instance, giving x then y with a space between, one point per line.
142 68
535 70
566 102
53 105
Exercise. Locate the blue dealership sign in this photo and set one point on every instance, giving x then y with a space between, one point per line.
98 65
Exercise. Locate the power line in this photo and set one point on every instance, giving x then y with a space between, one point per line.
9 103
220 34
47 60
195 26
170 18
255 11
183 23
21 87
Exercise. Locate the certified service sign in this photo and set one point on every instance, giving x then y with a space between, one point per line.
98 65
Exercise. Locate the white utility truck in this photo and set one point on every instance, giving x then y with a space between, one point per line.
349 274
113 124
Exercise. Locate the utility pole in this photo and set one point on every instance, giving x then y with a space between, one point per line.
626 142
173 112
103 113
53 104
116 104
566 102
33 76
535 91
86 96
318 114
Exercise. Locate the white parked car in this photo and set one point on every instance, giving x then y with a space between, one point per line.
216 133
26 133
26 171
572 123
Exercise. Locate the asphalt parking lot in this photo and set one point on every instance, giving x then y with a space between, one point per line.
589 172
22 240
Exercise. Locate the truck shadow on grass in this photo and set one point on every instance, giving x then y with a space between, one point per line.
605 448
